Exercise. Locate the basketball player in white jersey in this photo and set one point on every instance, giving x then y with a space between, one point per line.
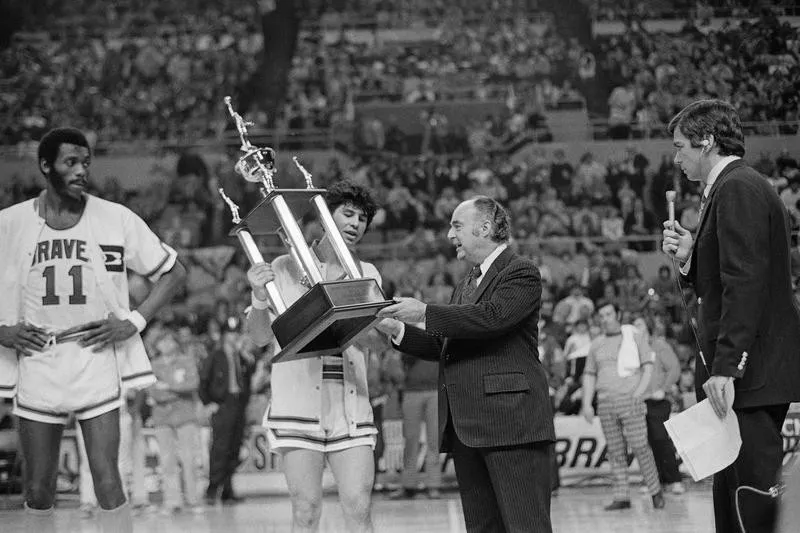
65 322
320 409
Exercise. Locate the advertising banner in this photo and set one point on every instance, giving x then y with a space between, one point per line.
580 449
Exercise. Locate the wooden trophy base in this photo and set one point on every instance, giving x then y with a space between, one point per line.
326 319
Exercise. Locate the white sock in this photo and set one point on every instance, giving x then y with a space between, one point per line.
39 520
117 520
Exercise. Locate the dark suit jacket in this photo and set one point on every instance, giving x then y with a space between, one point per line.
214 372
741 273
491 381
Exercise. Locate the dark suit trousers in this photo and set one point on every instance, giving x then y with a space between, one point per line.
227 431
663 449
757 466
505 489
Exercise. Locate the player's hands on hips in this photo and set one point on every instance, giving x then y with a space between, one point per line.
259 275
25 338
720 395
587 412
408 310
677 241
104 333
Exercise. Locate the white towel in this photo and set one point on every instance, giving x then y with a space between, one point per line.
132 361
628 362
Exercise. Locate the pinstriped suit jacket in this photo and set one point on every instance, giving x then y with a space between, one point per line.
490 379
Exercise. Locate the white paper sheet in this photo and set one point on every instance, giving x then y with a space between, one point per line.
705 443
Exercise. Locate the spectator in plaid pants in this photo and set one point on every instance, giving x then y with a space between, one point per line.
618 367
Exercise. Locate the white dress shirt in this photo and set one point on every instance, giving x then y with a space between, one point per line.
717 170
484 266
487 263
712 178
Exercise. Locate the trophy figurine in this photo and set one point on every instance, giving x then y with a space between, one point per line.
327 318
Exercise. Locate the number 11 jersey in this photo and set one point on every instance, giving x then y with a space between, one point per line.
61 290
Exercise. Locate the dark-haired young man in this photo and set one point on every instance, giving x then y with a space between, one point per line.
320 407
69 342
495 414
748 321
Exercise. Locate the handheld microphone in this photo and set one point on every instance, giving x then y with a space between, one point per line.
671 207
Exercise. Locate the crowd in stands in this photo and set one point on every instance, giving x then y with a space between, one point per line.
637 10
153 72
128 71
508 59
754 65
411 13
651 74
159 87
157 73
133 16
548 197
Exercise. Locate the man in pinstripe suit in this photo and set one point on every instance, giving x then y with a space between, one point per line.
494 410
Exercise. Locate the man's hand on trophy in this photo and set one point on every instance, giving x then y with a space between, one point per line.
389 326
258 276
406 310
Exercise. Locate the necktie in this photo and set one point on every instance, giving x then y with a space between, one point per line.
702 206
472 280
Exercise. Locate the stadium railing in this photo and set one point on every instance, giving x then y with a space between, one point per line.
614 12
775 128
399 246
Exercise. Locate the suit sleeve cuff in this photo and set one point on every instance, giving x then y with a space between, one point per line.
730 369
398 338
686 266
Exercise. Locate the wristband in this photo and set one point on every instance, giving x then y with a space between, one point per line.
137 320
258 304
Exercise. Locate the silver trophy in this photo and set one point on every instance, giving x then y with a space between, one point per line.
327 318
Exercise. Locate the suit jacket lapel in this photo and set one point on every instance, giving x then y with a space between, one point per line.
714 188
499 264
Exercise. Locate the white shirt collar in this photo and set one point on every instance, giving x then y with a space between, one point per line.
488 262
717 170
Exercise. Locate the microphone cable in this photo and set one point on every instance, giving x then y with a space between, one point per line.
774 492
676 271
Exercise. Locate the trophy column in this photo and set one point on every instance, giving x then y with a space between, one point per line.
294 234
331 230
254 255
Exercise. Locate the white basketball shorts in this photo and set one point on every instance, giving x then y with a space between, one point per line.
333 435
67 378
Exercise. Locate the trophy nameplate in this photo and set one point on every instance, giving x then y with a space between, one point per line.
326 319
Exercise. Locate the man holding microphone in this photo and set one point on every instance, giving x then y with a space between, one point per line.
748 323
